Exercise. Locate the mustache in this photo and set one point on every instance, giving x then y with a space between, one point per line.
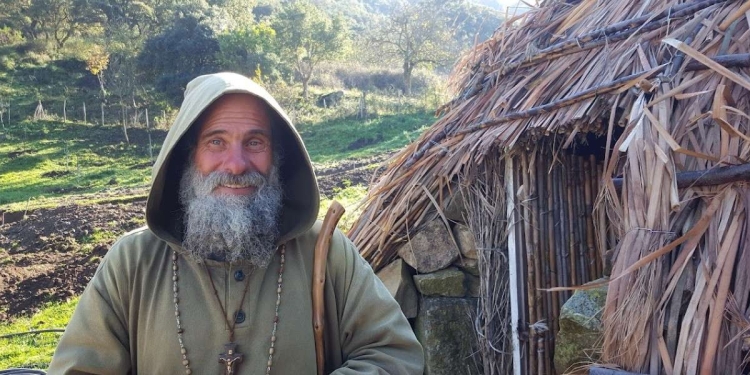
217 178
204 185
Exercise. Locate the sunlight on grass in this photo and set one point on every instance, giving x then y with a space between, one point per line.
349 197
35 350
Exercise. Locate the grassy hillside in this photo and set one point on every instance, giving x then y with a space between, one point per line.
49 158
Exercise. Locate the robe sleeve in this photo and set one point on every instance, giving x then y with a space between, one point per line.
374 335
96 338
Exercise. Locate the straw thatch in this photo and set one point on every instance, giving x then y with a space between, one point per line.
666 86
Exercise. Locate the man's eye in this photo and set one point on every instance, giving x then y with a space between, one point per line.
215 142
256 145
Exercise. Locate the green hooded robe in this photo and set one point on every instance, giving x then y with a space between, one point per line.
125 320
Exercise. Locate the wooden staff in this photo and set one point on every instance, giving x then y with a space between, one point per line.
319 279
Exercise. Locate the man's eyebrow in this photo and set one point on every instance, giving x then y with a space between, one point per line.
213 132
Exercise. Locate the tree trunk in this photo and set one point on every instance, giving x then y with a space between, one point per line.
305 81
408 68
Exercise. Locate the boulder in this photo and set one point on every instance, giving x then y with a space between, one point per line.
447 283
445 328
330 100
397 278
430 249
465 240
581 328
468 265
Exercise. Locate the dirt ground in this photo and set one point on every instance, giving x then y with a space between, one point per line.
53 253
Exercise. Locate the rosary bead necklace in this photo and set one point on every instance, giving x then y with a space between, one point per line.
231 357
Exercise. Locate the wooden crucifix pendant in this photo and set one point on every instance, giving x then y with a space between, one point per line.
229 358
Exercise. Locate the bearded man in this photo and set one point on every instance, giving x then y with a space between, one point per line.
220 279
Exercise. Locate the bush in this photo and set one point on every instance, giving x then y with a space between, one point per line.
366 78
9 36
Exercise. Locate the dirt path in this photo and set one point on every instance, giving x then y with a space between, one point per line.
53 253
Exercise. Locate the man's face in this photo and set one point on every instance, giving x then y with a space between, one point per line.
235 138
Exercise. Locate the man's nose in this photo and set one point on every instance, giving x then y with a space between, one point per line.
236 163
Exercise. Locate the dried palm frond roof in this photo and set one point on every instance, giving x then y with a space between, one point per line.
564 69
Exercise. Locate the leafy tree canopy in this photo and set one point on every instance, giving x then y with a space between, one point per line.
307 36
182 52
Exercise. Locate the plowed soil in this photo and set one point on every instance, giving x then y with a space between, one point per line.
51 254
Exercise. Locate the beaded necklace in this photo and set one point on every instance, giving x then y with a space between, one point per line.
230 357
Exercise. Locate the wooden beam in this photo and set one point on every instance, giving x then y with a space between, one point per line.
708 177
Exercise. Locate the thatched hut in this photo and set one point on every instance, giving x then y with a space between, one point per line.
593 137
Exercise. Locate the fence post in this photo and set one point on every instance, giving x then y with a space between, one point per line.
102 113
65 113
84 112
150 146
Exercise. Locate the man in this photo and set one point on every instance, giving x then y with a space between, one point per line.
220 280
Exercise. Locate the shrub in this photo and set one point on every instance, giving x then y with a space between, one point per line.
9 36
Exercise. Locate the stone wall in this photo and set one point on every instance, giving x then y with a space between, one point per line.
436 282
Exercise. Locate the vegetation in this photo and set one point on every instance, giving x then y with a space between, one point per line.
34 350
88 89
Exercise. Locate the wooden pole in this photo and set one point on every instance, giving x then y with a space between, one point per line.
102 113
708 177
589 209
510 197
150 145
580 218
531 275
550 215
84 113
569 222
65 110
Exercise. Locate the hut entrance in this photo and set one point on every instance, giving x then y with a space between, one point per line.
553 240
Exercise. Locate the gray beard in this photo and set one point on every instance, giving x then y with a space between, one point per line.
230 228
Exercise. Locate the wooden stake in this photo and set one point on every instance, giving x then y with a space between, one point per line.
510 195
150 145
531 275
84 113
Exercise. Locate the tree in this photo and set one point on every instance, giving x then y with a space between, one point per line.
50 20
182 52
250 48
307 37
414 35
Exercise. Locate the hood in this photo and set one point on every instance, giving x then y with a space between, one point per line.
164 215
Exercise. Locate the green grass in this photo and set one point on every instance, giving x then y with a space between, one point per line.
353 139
50 159
34 351
349 197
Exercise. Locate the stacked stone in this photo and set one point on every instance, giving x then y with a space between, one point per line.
436 282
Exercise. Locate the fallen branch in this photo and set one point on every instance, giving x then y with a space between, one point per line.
32 332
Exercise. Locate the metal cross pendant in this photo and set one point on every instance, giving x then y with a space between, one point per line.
229 358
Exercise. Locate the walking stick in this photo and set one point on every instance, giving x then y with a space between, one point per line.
319 279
